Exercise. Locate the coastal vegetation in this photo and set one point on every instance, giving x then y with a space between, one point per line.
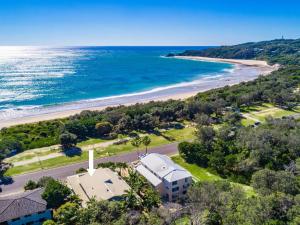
265 156
278 88
282 51
236 152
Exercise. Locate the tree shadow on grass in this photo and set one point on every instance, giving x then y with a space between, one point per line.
159 133
73 151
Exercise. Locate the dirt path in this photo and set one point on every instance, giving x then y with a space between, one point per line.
248 116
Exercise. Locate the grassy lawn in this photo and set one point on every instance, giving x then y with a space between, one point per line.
247 122
199 173
29 154
202 174
182 221
92 141
255 108
175 135
262 111
26 155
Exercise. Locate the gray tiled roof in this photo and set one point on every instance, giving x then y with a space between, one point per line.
15 206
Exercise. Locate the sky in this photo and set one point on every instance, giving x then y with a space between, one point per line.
146 22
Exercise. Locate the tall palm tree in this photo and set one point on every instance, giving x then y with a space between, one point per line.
146 141
136 142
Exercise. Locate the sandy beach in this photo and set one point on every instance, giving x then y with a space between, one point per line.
263 65
244 70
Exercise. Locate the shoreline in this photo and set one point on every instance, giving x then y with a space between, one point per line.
244 70
263 65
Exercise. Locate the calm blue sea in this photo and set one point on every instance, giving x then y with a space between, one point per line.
43 76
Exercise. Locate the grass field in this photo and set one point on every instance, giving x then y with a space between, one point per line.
199 173
182 221
203 174
92 141
168 137
260 112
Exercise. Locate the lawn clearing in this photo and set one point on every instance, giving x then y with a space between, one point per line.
183 221
202 174
259 113
92 141
198 172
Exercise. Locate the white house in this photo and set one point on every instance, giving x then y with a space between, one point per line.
168 178
24 208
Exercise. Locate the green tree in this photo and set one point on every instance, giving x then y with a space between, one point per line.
3 167
267 181
78 128
30 185
151 198
67 214
202 119
132 200
49 222
42 182
146 141
136 142
103 128
67 140
193 153
102 212
55 193
205 134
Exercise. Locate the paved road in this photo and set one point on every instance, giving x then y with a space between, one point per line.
65 171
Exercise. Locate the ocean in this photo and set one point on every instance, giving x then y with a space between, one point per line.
46 79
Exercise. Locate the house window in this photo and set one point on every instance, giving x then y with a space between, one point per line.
174 183
184 192
175 189
186 180
186 186
174 197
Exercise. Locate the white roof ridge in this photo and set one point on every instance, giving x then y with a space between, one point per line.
174 169
163 166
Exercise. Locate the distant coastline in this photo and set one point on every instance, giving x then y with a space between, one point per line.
244 70
265 67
